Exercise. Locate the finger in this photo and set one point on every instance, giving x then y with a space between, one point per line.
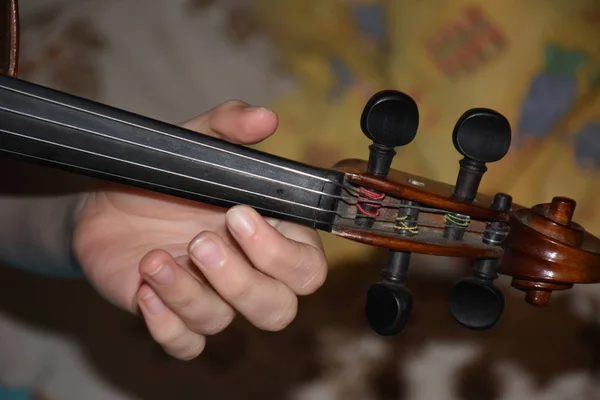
236 122
200 308
297 260
167 329
265 302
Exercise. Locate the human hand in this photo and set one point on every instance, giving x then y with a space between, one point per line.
189 267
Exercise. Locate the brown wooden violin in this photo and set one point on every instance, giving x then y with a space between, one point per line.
541 248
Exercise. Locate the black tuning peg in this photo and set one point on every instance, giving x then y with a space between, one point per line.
387 308
390 119
476 303
389 302
482 136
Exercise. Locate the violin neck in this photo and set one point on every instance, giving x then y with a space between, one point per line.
52 128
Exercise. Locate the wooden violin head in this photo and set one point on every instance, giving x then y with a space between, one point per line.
9 39
540 247
434 200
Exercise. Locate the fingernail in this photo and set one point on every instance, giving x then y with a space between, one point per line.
240 222
260 111
154 304
163 275
255 109
207 253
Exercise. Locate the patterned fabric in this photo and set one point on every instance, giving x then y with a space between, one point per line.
316 62
450 58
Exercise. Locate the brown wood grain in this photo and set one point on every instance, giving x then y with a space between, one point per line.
427 242
547 251
422 190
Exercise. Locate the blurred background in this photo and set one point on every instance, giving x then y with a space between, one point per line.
316 62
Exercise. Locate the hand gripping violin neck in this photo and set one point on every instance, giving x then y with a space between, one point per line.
541 248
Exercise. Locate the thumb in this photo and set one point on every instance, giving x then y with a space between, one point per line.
236 122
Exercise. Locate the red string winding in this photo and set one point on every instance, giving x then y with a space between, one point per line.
371 210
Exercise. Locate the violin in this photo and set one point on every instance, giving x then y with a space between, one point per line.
366 201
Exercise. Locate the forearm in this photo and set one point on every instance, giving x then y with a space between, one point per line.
38 210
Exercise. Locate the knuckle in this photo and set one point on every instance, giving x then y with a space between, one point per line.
309 271
188 352
171 337
182 302
272 255
238 293
219 325
315 279
283 316
151 261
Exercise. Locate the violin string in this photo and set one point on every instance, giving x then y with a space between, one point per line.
170 153
61 104
348 189
344 216
154 184
158 170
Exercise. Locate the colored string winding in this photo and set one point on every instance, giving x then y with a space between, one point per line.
403 226
364 196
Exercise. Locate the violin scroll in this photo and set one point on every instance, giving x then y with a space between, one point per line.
547 251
